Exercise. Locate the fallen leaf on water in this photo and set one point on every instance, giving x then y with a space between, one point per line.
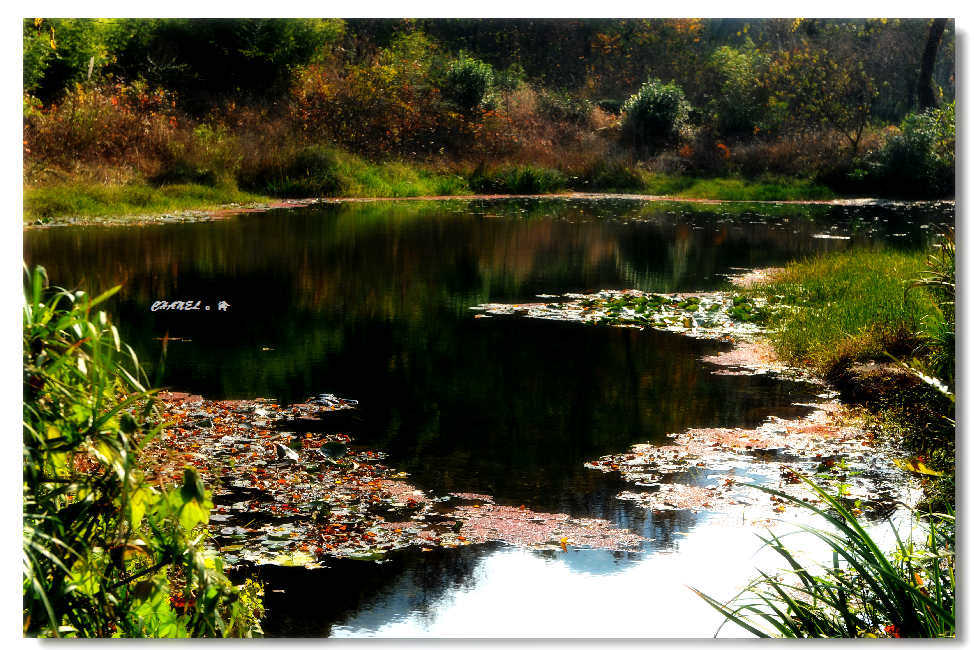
916 466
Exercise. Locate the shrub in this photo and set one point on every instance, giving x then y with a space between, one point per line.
104 552
611 106
919 159
468 83
564 107
312 172
655 115
206 156
111 123
517 179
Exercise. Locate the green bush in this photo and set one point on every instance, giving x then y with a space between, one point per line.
509 79
468 83
106 554
737 105
655 115
518 179
311 171
919 160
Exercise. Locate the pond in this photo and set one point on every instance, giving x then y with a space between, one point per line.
371 301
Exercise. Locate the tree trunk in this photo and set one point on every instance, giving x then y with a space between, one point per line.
926 96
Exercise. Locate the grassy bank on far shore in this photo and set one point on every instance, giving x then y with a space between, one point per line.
86 199
335 174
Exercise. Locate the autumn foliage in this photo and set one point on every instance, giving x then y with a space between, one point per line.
811 98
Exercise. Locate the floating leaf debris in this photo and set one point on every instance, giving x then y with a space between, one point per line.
295 498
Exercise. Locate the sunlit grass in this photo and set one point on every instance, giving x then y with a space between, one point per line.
849 306
360 178
320 172
863 592
85 199
735 189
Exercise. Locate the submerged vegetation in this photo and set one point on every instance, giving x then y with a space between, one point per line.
732 109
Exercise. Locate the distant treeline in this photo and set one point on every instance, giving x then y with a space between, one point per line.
805 97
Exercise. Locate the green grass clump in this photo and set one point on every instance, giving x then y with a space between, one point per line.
862 592
318 171
611 176
849 306
397 179
940 280
736 189
83 199
518 179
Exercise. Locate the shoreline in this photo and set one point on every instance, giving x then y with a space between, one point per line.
222 212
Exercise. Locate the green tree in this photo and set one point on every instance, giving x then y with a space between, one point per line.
468 83
738 101
811 87
213 58
59 52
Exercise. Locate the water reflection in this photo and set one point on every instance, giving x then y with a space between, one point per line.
504 591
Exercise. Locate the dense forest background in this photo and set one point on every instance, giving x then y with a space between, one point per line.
307 106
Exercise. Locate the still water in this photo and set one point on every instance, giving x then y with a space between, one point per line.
371 301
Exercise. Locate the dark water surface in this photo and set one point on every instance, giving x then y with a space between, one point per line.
371 302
